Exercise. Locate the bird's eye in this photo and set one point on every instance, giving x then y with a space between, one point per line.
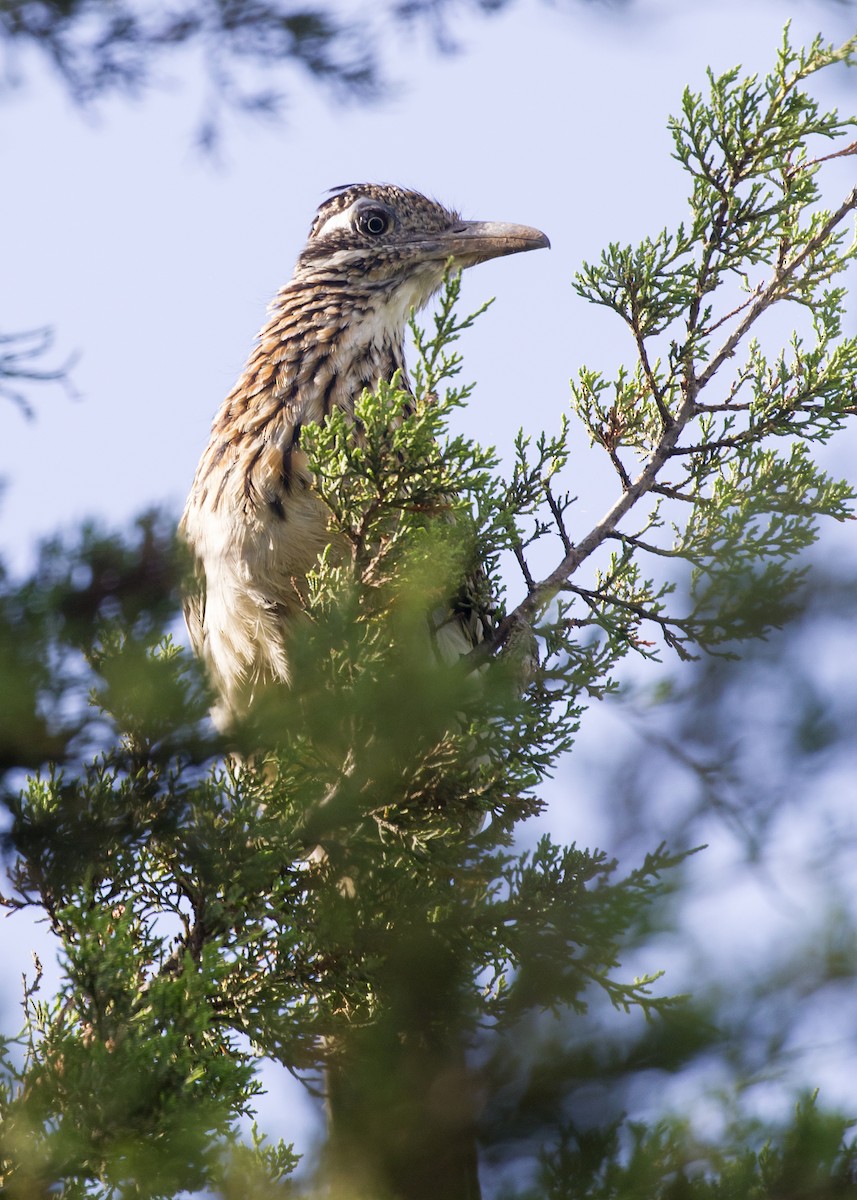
373 221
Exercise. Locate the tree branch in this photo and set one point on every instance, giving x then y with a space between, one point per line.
541 595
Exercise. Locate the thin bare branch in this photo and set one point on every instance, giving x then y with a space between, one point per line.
558 517
522 563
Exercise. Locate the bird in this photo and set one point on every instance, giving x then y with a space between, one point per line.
253 522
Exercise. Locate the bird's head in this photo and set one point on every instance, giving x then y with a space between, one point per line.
387 238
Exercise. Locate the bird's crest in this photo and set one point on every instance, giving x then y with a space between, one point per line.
408 205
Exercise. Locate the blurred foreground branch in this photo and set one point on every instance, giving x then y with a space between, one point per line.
347 896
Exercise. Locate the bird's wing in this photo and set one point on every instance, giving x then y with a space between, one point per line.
466 621
193 603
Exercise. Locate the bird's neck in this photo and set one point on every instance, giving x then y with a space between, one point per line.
324 342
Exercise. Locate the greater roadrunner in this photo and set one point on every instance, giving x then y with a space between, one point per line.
253 520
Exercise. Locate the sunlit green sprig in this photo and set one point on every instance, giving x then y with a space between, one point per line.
688 423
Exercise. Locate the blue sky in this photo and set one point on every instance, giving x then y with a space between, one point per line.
156 265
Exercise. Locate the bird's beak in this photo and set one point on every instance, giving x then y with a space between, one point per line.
471 242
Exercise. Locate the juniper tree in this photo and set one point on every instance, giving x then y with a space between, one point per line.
349 895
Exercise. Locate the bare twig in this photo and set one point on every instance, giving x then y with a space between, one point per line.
814 162
630 539
522 563
560 523
17 353
734 313
599 596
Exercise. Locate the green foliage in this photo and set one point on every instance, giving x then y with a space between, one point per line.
725 446
346 896
811 1157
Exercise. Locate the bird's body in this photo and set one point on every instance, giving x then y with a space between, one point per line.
253 520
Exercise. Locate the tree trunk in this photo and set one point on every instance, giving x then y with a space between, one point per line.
402 1105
